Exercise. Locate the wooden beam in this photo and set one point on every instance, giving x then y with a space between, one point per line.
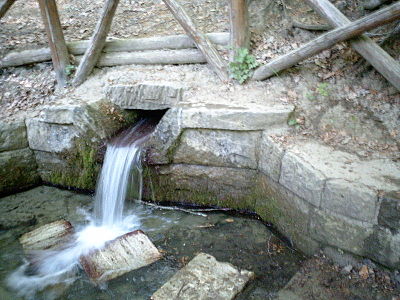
172 42
154 57
327 40
5 6
239 25
372 52
202 42
97 42
59 51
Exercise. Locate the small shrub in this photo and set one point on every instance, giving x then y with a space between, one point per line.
242 64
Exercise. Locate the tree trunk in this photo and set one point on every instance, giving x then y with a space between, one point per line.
173 42
97 42
4 6
374 54
327 40
239 23
59 51
202 42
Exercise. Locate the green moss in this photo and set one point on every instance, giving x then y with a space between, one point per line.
82 168
159 188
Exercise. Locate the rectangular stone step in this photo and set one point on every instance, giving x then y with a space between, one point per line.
204 278
126 253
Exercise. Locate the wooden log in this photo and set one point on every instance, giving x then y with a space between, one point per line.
58 47
167 57
97 42
327 40
5 6
311 27
373 53
182 41
239 26
202 42
49 236
124 254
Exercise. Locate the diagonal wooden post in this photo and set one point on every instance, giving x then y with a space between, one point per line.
58 47
97 42
239 23
327 40
202 42
372 52
4 6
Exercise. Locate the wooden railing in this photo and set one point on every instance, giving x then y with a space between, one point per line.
344 29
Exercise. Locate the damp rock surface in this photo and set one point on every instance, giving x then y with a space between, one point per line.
204 278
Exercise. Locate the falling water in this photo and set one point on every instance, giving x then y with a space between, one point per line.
121 173
122 168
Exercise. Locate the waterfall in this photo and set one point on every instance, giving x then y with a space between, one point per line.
121 172
121 169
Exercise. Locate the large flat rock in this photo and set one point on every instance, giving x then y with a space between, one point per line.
204 278
148 96
220 148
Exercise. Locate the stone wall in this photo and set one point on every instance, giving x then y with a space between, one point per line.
18 169
67 141
227 156
316 195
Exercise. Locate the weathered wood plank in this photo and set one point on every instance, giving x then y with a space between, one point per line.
327 40
173 42
239 25
5 6
97 42
48 236
58 47
202 42
373 53
126 253
157 57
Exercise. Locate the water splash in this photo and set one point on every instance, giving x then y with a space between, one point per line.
121 173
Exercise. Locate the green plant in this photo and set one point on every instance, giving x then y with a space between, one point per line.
243 63
70 69
323 89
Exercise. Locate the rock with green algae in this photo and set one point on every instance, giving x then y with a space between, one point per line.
68 139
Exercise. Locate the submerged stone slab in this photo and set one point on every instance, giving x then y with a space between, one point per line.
12 135
221 148
48 236
204 278
126 253
147 96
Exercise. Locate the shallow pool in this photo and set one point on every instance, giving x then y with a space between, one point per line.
245 242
